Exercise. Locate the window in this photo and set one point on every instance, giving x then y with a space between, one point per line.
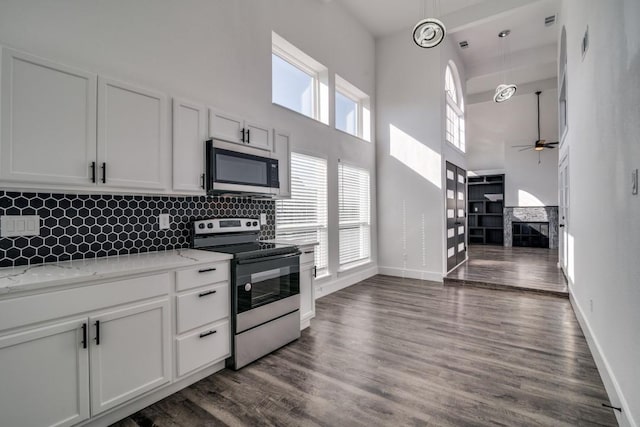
298 82
353 114
304 216
455 133
354 215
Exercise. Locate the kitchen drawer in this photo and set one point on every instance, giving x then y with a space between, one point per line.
307 256
203 306
201 276
203 347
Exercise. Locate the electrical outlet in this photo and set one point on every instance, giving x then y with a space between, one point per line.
263 219
19 225
164 221
634 182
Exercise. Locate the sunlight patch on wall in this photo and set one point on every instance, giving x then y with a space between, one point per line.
570 260
415 155
527 199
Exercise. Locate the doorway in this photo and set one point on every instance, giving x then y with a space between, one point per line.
456 214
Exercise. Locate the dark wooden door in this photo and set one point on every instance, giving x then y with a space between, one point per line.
456 213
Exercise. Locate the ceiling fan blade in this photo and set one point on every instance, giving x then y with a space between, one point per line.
525 149
553 143
549 146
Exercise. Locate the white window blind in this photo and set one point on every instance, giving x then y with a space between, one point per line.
304 216
355 216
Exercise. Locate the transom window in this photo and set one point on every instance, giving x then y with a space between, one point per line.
353 113
455 126
298 82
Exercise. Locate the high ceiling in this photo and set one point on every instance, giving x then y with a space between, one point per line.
531 46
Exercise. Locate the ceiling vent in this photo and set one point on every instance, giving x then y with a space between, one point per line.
549 20
464 44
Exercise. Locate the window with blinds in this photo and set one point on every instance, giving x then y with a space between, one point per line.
355 215
304 216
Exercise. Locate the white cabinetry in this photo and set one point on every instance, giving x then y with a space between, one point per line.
282 152
45 376
307 292
130 353
132 143
48 121
230 128
189 134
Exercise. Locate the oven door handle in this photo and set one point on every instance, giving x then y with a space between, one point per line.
267 258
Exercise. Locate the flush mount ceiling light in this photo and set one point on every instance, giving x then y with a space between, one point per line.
428 32
504 91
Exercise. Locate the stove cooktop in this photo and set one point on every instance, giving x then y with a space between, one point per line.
252 250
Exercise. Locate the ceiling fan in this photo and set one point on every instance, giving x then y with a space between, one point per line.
540 144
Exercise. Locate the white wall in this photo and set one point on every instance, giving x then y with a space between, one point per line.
603 141
410 156
494 128
215 52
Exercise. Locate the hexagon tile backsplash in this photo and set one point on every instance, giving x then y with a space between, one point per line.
76 226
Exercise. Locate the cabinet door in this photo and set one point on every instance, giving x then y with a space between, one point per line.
226 127
282 152
307 293
130 353
189 134
45 376
258 136
48 121
132 142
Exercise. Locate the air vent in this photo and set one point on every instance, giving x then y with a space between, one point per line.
464 44
549 20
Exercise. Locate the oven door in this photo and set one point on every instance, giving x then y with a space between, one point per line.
265 289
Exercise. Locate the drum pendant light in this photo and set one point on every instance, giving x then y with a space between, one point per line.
504 91
428 32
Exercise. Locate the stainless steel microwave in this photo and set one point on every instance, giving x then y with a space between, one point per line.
229 171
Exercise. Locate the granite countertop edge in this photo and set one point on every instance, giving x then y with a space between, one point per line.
14 280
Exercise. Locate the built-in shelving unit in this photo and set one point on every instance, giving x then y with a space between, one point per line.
485 210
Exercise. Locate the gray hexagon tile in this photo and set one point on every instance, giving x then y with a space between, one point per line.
76 226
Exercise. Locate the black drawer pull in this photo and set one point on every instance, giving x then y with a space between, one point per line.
84 335
308 252
206 334
206 270
204 294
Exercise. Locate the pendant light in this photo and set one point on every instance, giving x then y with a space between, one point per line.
504 91
428 32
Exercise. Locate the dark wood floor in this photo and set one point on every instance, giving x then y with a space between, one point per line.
523 269
396 352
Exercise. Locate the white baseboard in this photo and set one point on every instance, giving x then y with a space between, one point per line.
344 280
611 385
411 274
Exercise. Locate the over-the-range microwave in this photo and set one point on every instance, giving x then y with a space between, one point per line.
238 172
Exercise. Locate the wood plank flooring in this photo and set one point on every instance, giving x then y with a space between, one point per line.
396 352
523 269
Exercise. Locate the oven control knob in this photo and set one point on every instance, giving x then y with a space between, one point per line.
248 223
201 225
247 287
210 225
255 223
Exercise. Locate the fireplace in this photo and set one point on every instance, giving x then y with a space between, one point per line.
531 226
530 234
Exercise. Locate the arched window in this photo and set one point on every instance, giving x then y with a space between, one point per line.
455 108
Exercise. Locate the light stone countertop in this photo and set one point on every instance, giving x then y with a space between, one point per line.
49 275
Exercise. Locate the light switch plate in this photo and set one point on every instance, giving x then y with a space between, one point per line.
634 182
19 225
164 221
263 219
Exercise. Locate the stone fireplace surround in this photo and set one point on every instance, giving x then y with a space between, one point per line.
531 214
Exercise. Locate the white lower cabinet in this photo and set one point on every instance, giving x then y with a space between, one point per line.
45 376
130 353
307 292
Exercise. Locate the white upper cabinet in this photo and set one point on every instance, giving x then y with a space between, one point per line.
282 152
48 121
132 142
230 128
189 134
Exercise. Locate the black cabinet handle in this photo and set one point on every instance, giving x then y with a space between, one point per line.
84 335
315 271
248 136
561 225
206 334
206 270
242 134
308 252
104 173
204 294
97 332
93 172
202 179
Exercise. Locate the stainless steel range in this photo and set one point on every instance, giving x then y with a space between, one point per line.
265 286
